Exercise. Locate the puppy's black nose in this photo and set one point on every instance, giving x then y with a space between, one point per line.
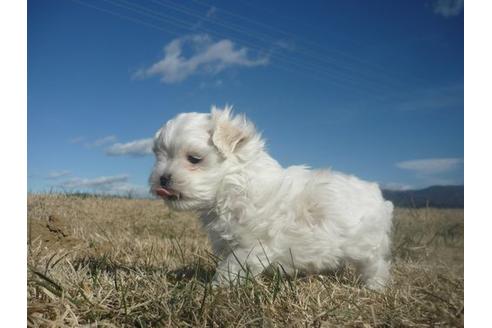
165 180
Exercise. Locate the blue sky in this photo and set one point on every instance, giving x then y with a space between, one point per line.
372 88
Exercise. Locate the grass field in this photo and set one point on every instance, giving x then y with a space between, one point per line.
115 262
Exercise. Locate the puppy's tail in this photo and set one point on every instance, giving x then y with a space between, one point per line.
388 215
389 207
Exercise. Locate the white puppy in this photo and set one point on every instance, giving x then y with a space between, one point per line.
258 213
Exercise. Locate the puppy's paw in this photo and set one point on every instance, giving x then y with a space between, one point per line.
375 284
220 280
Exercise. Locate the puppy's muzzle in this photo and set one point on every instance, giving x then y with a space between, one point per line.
165 180
164 190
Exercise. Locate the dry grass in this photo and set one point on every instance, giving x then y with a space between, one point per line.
121 262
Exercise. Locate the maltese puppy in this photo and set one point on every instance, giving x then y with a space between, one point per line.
258 213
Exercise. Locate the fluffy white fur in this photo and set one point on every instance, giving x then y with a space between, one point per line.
258 213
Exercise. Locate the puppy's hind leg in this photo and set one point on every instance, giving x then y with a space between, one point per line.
240 265
374 265
375 273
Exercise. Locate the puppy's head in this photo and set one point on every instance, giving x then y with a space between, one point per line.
195 151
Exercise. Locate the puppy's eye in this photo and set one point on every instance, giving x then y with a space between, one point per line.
193 159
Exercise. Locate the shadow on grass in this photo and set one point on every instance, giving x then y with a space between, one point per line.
96 265
198 272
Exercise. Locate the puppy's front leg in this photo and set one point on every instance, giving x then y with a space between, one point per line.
240 264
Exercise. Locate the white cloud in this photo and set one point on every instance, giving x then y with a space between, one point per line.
131 189
110 185
436 98
136 148
396 186
99 183
57 174
448 8
104 141
431 166
205 55
211 12
77 140
285 44
93 144
212 84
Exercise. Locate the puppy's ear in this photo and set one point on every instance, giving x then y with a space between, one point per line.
157 135
229 133
155 141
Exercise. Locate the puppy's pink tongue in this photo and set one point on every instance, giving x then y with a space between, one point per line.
164 192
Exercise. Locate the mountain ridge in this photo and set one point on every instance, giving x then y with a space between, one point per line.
434 196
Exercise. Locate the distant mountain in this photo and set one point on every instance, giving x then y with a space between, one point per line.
435 196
